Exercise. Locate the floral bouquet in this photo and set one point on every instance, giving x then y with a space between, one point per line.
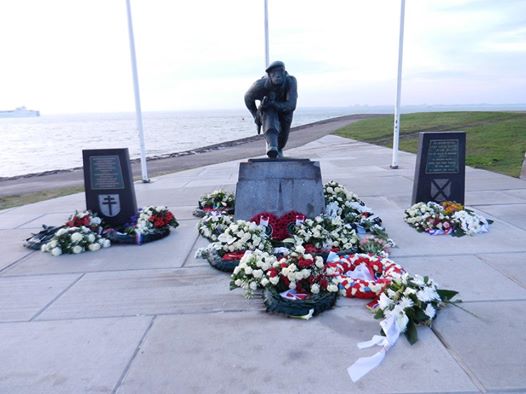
213 224
149 224
231 245
78 219
335 192
250 273
428 217
153 219
86 219
412 300
298 284
325 233
75 240
409 300
352 210
218 200
446 218
467 222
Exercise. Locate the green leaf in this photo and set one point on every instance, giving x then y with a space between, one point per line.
411 333
379 314
420 316
446 295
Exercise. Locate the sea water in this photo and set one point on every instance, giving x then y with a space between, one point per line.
53 142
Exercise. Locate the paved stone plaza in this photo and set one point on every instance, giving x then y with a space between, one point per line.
153 319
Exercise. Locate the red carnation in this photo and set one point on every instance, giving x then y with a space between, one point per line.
305 263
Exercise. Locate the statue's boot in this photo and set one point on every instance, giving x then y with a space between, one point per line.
271 136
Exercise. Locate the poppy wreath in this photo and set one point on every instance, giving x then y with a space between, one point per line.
382 269
269 220
280 228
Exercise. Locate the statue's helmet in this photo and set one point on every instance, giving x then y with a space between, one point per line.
276 64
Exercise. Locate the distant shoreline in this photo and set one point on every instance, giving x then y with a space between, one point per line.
73 178
189 152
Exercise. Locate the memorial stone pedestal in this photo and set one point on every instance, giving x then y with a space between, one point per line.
279 186
440 167
108 184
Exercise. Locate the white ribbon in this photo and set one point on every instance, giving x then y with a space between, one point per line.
364 365
360 272
332 257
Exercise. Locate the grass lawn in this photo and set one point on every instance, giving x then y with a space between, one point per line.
496 141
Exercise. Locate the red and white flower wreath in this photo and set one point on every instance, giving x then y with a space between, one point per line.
382 269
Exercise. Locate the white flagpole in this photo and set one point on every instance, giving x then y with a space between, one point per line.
396 128
138 113
267 58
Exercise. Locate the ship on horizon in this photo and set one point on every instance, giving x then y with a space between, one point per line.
20 112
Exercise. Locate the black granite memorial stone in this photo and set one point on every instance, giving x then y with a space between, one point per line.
108 184
440 167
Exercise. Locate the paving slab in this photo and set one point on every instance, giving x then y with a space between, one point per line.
169 252
491 197
17 218
450 273
255 353
22 298
192 261
49 219
85 356
148 292
512 265
481 180
490 345
55 205
11 249
519 193
512 213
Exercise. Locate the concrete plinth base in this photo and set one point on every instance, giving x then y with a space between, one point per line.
279 186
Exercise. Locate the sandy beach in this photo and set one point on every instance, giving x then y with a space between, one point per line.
229 150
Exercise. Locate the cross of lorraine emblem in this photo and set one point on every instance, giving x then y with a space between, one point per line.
109 204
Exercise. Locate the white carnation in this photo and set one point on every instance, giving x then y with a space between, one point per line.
94 247
56 252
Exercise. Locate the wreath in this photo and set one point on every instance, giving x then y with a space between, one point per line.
149 224
447 218
219 201
280 228
226 262
365 275
306 308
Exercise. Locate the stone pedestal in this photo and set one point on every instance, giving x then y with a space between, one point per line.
279 186
440 167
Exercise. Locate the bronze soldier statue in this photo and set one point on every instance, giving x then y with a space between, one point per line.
277 93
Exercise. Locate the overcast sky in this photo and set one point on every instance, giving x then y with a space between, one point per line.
70 56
